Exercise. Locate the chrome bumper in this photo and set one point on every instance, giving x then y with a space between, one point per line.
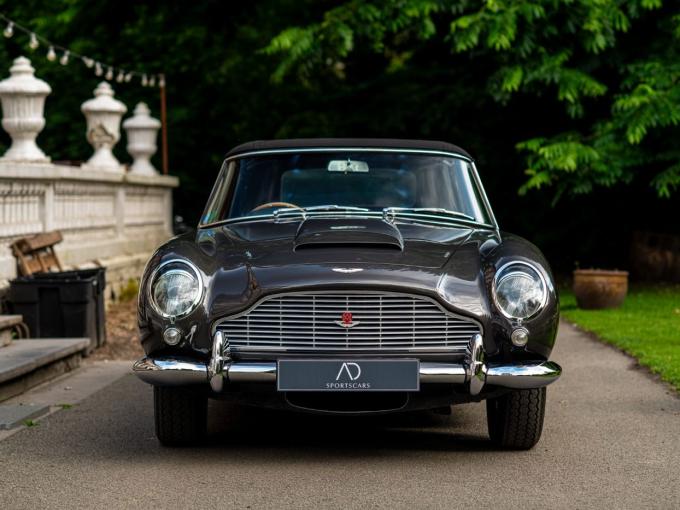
474 372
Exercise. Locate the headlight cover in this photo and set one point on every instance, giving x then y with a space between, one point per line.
175 288
519 290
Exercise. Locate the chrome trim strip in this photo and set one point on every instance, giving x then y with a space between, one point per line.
252 372
476 366
218 359
524 375
176 371
451 373
170 371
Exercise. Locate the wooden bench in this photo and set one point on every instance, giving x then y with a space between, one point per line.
36 254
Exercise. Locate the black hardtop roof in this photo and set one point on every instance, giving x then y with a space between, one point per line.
370 143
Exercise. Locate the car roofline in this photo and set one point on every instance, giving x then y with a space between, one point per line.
430 152
368 143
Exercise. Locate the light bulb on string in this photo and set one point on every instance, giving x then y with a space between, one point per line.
9 30
63 56
33 43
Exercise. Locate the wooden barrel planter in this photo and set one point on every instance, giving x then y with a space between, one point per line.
597 289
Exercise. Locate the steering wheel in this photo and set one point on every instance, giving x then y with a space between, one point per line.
275 204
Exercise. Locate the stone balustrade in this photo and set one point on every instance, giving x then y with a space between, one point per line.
107 215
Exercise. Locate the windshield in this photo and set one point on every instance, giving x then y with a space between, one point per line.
394 182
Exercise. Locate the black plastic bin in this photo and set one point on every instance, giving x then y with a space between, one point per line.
67 304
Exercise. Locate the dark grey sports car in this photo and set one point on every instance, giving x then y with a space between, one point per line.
348 276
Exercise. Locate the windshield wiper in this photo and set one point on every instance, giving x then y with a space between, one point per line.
334 207
317 209
437 213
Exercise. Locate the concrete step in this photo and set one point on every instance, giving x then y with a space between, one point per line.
7 322
27 363
13 415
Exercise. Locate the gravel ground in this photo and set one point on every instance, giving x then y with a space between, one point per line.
122 337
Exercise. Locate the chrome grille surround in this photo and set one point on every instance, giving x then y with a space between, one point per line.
386 323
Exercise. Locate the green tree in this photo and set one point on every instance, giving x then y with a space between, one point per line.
612 65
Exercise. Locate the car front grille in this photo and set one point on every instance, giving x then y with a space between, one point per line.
380 323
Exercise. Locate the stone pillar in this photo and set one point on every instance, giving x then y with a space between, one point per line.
142 131
23 103
103 115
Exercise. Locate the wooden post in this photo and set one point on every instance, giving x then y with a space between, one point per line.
164 126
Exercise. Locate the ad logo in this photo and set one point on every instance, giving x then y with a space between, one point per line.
353 371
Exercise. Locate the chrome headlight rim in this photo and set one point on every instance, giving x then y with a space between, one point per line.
532 267
159 271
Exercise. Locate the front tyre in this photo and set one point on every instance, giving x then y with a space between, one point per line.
180 414
515 420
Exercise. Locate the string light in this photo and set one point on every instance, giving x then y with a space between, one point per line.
64 55
33 43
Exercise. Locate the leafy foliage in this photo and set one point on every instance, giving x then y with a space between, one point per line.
622 98
391 68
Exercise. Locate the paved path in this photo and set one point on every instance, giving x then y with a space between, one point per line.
611 440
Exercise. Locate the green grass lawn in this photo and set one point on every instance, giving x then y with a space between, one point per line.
647 327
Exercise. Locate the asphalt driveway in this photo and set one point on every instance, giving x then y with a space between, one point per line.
611 439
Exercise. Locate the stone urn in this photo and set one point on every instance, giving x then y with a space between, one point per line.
103 115
597 288
23 103
142 131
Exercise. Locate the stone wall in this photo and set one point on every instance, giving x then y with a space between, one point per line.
109 214
107 219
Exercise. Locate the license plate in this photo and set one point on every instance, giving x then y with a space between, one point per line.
348 375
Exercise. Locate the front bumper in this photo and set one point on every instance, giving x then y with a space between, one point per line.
474 372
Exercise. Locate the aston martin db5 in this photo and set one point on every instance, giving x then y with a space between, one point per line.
348 276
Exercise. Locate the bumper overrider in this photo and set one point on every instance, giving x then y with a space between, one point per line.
474 372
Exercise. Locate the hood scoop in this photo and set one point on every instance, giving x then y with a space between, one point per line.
348 232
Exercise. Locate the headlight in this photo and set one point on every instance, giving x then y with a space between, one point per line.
519 290
175 288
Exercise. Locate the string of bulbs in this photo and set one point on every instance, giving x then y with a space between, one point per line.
100 68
